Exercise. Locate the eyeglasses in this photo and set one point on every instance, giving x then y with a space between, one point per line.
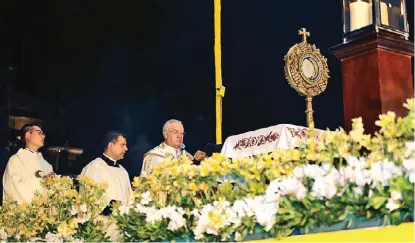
40 132
175 132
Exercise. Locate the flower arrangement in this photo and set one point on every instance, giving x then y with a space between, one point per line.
334 181
56 214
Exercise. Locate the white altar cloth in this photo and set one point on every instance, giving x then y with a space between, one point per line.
265 140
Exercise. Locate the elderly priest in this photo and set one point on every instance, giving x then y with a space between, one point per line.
26 168
171 148
106 168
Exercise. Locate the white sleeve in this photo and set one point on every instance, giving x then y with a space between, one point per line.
18 185
92 171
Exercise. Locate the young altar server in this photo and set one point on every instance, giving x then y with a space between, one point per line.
106 168
26 168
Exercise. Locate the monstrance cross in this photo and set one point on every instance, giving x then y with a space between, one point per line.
304 33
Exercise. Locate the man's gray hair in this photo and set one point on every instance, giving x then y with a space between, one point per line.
166 125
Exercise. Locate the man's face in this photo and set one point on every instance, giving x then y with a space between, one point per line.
174 135
118 148
35 137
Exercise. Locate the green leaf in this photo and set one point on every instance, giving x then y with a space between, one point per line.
343 216
376 202
395 217
385 220
349 224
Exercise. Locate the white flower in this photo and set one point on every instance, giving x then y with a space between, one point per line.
370 194
292 186
361 177
273 191
324 187
212 231
239 207
358 191
153 217
313 171
52 238
266 215
124 208
84 218
410 149
392 205
145 198
356 163
383 171
3 234
264 211
176 222
74 210
83 208
409 165
299 172
396 195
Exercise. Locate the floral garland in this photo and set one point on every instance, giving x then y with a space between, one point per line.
334 179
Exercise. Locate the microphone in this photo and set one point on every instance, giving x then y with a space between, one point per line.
182 147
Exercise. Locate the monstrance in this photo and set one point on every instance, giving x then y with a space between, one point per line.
306 71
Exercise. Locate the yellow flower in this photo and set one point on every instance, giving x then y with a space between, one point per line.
409 104
192 187
215 219
204 187
255 173
73 223
344 149
197 202
157 170
205 169
136 182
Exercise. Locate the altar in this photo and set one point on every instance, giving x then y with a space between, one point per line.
266 140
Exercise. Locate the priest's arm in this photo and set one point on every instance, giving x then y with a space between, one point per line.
18 184
92 172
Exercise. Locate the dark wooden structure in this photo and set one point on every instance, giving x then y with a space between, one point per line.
377 75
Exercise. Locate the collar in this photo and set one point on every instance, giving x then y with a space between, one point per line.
164 144
109 161
31 151
172 149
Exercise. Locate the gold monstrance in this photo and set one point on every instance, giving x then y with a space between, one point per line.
306 71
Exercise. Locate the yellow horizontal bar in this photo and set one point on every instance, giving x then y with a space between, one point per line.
401 233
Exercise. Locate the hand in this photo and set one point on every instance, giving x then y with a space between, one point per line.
200 155
50 175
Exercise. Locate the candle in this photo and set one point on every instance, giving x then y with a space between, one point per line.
384 18
359 15
394 17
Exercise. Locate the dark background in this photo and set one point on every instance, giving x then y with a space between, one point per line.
86 67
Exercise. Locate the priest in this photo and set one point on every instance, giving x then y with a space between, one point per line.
25 169
106 168
172 147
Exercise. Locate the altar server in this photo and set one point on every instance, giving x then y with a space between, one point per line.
106 168
25 169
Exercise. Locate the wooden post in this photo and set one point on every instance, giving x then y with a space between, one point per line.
377 76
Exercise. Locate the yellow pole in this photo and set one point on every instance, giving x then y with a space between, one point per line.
218 70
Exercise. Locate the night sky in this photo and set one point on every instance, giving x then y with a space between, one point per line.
92 66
